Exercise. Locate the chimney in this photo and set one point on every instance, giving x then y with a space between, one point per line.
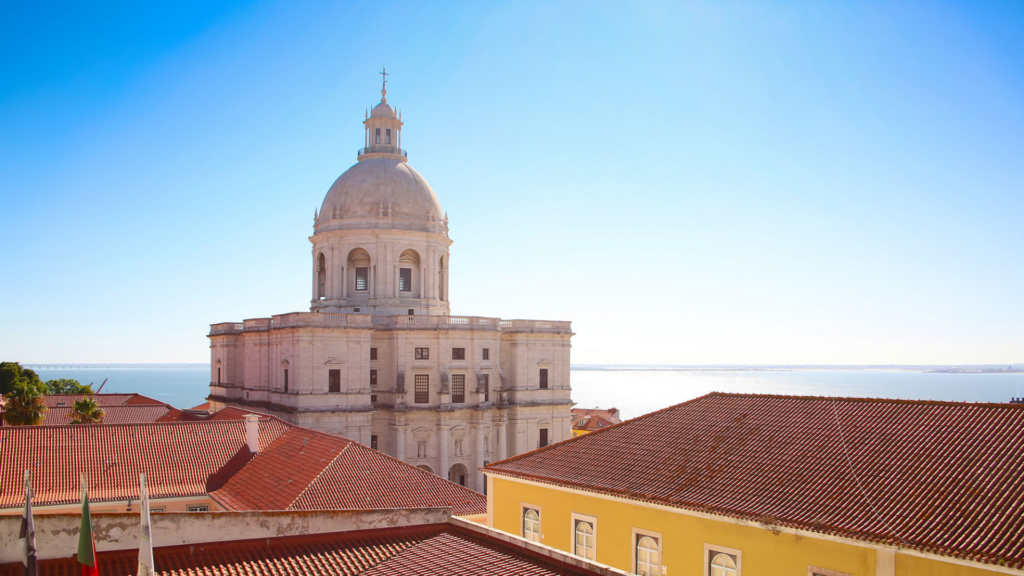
252 432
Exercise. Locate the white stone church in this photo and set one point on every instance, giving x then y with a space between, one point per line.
378 358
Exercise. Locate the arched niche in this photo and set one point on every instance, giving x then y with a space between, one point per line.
360 273
459 474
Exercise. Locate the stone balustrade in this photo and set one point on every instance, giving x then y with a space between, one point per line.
316 319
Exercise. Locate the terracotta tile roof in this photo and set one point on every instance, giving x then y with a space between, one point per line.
125 414
179 459
429 549
611 414
309 470
203 406
592 423
103 400
944 477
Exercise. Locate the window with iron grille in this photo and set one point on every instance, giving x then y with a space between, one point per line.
405 279
362 278
487 353
423 353
373 353
543 377
334 380
458 388
458 353
487 387
373 377
422 389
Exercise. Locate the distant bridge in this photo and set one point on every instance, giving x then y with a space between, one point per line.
115 366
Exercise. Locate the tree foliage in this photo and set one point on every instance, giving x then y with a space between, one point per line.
12 374
67 386
87 411
25 405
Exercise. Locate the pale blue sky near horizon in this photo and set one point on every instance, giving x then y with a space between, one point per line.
688 182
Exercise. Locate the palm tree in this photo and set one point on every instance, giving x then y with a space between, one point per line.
87 411
25 406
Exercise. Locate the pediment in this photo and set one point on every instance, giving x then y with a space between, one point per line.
335 361
544 363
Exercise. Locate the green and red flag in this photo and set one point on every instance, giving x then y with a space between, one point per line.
86 542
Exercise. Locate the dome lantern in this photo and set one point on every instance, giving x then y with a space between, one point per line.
383 128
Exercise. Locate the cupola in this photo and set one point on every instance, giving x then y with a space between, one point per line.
383 128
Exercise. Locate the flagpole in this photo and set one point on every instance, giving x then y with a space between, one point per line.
145 532
28 532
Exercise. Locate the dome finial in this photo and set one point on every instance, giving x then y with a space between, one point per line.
384 89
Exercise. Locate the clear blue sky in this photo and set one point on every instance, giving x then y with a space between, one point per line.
688 182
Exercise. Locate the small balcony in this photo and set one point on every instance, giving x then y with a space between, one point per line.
382 149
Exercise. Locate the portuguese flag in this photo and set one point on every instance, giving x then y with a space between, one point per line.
86 542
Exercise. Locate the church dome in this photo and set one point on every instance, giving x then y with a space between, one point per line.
380 186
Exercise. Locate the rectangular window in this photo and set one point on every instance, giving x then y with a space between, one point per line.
459 388
531 524
218 376
423 353
362 278
376 139
285 379
387 136
198 508
543 378
422 389
156 509
487 353
373 377
487 387
458 353
373 398
648 555
720 560
373 353
543 437
334 380
405 279
584 536
373 441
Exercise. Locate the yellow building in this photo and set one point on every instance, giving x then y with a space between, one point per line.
753 485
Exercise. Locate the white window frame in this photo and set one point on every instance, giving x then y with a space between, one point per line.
200 508
724 549
634 540
522 520
592 520
812 570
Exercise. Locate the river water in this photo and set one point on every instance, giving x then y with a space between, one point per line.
636 392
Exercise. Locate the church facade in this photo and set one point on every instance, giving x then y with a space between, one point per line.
378 358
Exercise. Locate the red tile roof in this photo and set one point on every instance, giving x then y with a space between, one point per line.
125 414
309 470
178 458
429 549
611 414
103 400
295 468
941 477
591 423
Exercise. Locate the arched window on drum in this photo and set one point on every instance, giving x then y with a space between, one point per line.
321 277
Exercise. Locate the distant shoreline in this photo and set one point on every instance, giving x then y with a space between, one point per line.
935 369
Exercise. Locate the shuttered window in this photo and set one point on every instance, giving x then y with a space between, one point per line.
377 137
422 389
458 388
387 136
334 381
362 278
